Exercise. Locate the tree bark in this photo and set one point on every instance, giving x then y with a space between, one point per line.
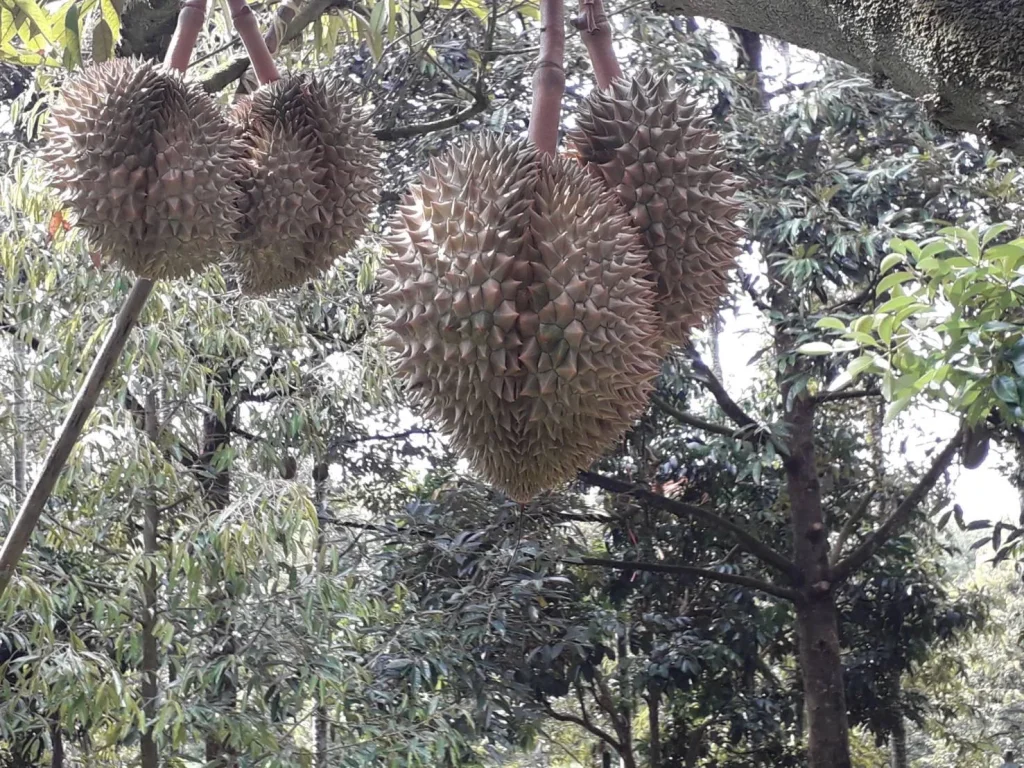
898 756
322 722
965 58
816 615
217 490
150 687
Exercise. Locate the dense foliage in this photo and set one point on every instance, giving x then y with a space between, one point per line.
256 525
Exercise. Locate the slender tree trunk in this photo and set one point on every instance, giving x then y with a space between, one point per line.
20 422
816 615
56 744
898 757
217 487
322 722
654 715
150 754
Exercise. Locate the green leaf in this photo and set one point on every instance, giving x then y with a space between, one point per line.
73 39
815 349
889 262
895 408
831 323
890 281
1005 388
102 42
993 232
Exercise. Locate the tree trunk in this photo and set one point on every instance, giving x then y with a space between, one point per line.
899 742
322 723
217 489
56 744
654 715
816 615
150 687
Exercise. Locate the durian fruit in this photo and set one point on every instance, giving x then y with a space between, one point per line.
665 167
517 295
149 165
315 184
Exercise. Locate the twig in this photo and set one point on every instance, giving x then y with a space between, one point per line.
689 570
851 523
861 554
681 509
693 421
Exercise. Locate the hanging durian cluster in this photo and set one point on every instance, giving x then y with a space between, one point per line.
162 182
519 301
666 169
530 298
149 165
315 184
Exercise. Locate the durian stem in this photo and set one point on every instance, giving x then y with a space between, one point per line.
255 46
596 31
32 507
190 23
549 78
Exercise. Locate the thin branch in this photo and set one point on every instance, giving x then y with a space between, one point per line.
758 432
689 570
400 132
693 421
565 717
681 509
32 507
851 524
892 525
847 394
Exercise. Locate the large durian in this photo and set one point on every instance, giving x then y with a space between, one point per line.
519 301
665 167
149 165
316 180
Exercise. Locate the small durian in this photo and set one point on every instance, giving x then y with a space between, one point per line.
666 169
518 297
315 185
149 166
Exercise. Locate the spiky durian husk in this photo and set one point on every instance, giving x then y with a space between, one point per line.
666 169
316 181
148 164
518 300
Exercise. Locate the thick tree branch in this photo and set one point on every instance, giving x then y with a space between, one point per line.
895 522
689 570
681 509
973 79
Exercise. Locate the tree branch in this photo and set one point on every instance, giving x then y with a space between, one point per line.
693 421
851 524
565 717
892 525
689 570
758 433
846 394
963 91
681 509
